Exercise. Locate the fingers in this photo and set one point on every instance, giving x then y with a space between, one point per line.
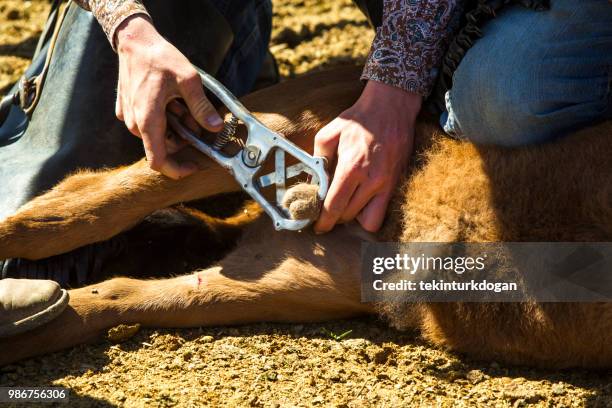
123 108
200 107
127 115
149 80
184 116
152 124
345 182
326 141
171 168
362 196
372 216
118 104
366 170
174 143
152 127
364 201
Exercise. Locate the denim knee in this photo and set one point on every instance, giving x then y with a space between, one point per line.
534 76
517 108
251 23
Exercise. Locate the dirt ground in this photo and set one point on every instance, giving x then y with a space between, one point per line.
21 23
350 363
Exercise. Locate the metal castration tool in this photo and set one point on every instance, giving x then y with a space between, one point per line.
261 144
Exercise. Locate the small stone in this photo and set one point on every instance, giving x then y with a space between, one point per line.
122 332
318 400
119 396
355 343
440 361
454 375
475 376
381 356
521 392
206 339
557 389
382 376
272 376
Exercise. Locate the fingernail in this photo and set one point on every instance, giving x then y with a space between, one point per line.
214 120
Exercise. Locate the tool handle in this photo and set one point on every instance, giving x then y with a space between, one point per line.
225 96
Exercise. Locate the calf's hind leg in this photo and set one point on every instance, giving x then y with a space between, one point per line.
90 207
274 277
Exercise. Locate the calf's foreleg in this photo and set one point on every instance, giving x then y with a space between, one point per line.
91 206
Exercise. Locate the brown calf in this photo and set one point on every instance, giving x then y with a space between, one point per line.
455 192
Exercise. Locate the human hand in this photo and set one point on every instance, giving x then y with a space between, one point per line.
369 144
153 75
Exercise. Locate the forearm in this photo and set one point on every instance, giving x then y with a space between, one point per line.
111 13
410 43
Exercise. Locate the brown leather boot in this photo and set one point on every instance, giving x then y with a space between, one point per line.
26 304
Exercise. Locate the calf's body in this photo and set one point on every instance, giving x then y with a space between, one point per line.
454 191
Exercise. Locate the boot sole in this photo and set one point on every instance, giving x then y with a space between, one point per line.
38 319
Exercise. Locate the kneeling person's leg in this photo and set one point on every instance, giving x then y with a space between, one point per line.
534 76
251 24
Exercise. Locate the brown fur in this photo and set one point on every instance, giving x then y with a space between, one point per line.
455 192
560 191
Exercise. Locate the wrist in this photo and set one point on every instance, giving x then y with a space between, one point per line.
135 31
378 95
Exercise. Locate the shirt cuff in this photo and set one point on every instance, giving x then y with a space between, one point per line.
415 79
111 16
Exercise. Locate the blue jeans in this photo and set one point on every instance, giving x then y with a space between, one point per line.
251 23
534 76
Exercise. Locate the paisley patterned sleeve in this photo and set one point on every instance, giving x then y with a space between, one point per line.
410 43
111 13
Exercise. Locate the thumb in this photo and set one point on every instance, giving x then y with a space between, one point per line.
200 107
